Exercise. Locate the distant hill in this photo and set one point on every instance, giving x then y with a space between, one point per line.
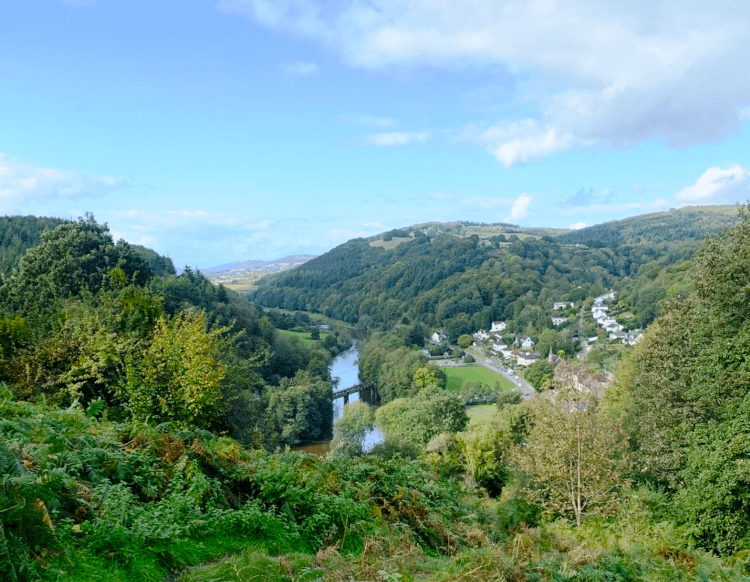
251 270
461 276
691 223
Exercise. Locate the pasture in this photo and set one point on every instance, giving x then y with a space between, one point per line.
456 377
303 336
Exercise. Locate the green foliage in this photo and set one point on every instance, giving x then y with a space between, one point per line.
465 340
350 430
73 259
179 377
17 235
80 494
300 410
539 374
416 420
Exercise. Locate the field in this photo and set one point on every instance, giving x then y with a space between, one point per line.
317 317
304 336
389 244
480 413
242 286
456 377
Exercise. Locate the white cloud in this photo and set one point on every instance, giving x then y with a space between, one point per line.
578 225
78 3
520 208
597 73
301 68
21 183
398 138
520 142
441 196
718 186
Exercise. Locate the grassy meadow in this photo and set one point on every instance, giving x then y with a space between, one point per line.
303 336
456 377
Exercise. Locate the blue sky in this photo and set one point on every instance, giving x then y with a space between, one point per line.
252 129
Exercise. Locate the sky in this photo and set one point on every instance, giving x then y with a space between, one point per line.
253 129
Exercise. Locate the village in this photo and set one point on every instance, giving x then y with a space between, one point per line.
498 346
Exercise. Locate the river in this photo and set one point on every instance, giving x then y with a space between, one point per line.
345 368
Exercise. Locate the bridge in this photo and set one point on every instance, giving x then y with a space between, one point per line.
367 392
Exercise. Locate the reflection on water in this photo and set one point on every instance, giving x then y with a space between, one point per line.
345 368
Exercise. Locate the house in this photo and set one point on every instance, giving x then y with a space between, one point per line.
559 321
507 352
526 343
499 347
632 337
481 335
438 338
561 305
498 326
528 359
617 335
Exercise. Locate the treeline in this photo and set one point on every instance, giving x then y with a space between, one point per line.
85 319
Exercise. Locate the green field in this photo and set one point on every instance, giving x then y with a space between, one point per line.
456 377
480 413
304 336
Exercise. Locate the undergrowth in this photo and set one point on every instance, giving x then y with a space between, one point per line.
83 498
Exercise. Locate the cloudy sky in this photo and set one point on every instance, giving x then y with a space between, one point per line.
252 129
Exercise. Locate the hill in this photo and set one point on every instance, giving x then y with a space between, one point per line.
691 223
461 276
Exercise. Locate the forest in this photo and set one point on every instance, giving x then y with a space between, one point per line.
448 278
144 420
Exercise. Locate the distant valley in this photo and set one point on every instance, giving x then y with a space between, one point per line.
242 274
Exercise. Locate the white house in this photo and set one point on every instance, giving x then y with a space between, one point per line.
632 337
438 337
561 305
499 347
527 343
559 321
481 335
615 335
528 359
498 326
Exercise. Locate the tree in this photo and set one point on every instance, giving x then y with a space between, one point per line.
350 430
73 259
575 457
315 334
429 375
301 409
465 340
539 374
416 420
179 375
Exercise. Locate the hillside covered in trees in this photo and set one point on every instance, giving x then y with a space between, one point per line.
462 276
